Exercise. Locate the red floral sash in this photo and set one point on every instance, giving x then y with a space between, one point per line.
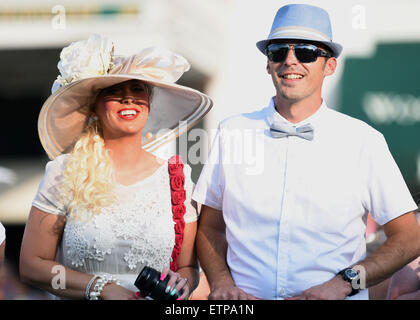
178 197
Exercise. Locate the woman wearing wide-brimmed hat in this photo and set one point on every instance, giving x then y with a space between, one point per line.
107 206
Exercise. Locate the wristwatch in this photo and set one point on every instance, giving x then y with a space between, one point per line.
352 276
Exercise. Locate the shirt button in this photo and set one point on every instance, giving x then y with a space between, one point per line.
281 292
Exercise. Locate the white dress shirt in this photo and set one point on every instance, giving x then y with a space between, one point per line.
295 210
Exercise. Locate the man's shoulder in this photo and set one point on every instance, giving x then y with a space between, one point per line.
351 124
245 120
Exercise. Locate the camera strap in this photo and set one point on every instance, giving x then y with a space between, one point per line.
178 197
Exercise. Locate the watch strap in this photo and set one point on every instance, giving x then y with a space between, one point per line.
344 277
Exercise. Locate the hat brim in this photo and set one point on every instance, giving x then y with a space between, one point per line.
336 48
173 110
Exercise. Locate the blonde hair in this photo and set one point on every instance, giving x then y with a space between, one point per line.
88 175
89 180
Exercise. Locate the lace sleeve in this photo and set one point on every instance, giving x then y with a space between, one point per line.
191 214
2 234
48 197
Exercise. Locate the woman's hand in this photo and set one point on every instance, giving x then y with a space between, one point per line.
176 283
113 291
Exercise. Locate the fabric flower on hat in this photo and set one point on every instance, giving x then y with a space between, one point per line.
83 59
154 63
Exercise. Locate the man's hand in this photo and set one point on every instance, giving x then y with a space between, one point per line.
228 292
334 289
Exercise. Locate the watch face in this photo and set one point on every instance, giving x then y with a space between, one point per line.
351 274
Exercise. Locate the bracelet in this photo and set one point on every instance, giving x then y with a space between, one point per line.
89 285
100 284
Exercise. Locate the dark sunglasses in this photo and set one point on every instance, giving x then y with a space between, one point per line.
305 53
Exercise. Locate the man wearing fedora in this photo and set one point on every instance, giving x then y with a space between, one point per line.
296 230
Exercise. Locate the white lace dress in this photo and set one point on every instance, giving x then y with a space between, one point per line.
136 231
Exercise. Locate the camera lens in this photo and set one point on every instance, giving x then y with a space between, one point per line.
148 282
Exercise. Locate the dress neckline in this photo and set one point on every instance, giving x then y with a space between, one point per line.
144 180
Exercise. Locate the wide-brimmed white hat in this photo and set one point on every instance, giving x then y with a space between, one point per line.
87 66
302 22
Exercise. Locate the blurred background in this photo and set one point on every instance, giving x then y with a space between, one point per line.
377 80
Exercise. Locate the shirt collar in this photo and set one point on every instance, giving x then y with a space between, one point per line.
313 119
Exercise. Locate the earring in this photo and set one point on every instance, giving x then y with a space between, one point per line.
93 118
94 123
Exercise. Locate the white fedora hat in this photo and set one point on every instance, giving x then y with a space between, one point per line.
302 22
90 65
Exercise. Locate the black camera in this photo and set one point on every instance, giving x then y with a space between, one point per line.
149 284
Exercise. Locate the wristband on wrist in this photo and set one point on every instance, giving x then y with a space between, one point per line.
102 281
87 291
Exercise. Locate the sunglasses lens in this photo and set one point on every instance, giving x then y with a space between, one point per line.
306 54
277 52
